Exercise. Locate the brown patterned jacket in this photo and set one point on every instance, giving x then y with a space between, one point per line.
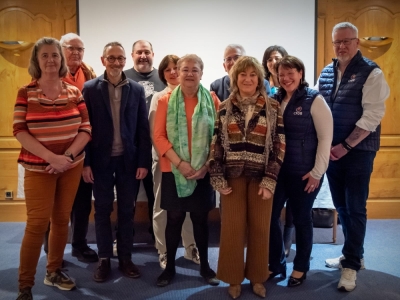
246 153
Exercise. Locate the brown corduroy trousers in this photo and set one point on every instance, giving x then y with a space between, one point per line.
48 197
245 218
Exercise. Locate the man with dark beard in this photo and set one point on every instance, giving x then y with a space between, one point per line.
147 76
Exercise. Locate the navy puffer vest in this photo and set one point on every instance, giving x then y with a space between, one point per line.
346 105
301 137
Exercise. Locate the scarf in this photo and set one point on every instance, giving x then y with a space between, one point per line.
202 131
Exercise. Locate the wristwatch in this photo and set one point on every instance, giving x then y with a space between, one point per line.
69 154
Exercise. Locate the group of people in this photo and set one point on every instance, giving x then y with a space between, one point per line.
260 136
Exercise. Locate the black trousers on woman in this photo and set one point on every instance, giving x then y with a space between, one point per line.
198 204
173 231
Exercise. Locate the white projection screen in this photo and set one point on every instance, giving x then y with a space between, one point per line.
202 27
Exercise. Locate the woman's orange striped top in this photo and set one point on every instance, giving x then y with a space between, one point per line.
54 123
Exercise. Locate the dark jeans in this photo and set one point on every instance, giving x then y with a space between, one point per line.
103 189
80 214
290 188
349 184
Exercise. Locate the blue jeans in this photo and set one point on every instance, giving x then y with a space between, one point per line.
349 183
290 188
126 186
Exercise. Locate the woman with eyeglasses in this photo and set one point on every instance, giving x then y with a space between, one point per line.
183 129
308 130
168 72
52 124
246 155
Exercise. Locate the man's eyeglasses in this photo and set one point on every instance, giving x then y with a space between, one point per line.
73 49
112 59
230 59
345 42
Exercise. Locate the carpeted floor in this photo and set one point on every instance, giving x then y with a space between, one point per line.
380 280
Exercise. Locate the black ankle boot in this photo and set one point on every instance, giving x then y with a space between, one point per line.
287 239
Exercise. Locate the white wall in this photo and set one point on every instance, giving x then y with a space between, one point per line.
201 27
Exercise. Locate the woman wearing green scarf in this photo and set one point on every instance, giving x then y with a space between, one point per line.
183 131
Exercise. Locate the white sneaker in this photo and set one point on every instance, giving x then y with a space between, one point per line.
115 252
191 253
335 263
162 258
347 281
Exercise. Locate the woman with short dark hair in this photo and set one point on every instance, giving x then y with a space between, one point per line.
308 129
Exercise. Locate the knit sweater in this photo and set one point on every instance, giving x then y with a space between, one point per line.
55 124
247 152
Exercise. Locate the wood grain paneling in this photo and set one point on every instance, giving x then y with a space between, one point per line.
22 21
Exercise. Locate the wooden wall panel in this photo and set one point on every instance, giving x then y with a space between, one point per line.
22 20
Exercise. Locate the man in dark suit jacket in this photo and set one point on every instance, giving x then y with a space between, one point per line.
117 155
221 86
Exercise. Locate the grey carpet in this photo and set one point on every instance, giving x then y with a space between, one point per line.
379 281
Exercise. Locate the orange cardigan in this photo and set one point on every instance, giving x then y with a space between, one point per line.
160 137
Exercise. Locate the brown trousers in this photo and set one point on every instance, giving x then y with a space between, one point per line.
245 218
48 197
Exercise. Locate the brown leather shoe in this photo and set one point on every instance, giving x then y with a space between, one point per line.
103 270
234 290
128 268
259 289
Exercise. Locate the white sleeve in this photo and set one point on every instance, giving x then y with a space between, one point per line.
375 92
316 86
323 122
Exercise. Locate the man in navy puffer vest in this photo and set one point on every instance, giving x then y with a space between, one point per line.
355 90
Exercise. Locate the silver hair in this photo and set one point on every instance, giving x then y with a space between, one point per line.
345 25
70 36
235 47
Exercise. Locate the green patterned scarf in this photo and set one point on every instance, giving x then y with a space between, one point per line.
202 131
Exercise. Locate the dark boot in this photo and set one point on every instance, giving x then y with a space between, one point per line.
287 239
103 270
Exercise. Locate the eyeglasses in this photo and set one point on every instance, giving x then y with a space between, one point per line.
72 49
230 59
112 59
345 42
186 72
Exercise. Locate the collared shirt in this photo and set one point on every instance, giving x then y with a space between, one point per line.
375 92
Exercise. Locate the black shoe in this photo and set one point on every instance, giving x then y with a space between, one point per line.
287 239
85 254
292 282
103 270
282 275
25 294
128 268
210 277
165 278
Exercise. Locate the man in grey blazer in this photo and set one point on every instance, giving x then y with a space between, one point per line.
117 155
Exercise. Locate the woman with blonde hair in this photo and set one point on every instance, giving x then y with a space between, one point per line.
246 155
52 124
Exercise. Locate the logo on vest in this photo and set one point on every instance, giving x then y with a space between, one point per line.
352 78
298 111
